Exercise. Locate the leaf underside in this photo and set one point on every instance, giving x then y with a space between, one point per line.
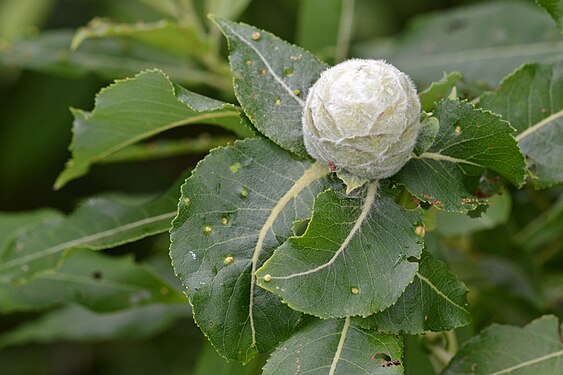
483 41
500 349
532 100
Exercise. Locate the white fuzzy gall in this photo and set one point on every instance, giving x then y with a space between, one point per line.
362 116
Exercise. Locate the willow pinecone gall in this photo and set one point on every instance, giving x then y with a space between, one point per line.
362 117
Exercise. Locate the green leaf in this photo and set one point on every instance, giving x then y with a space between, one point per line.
499 349
435 301
78 324
352 260
454 223
271 81
484 42
99 223
11 223
337 346
531 98
239 205
160 149
110 58
93 280
438 90
555 10
469 140
134 109
176 39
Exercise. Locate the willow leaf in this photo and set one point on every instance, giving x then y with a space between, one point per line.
239 205
12 223
134 109
68 324
94 280
438 90
468 141
271 79
531 98
555 10
483 41
500 349
337 346
99 223
435 301
176 39
353 258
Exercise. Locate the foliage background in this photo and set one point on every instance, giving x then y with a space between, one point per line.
512 267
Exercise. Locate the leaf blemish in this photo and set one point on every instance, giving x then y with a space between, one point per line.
229 259
256 35
207 229
277 101
243 192
355 290
235 167
419 230
263 72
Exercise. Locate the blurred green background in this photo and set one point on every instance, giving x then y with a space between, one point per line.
516 256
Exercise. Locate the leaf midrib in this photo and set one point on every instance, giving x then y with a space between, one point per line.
534 128
269 68
528 363
84 240
340 346
148 134
369 199
314 173
439 292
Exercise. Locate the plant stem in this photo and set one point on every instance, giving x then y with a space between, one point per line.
344 30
